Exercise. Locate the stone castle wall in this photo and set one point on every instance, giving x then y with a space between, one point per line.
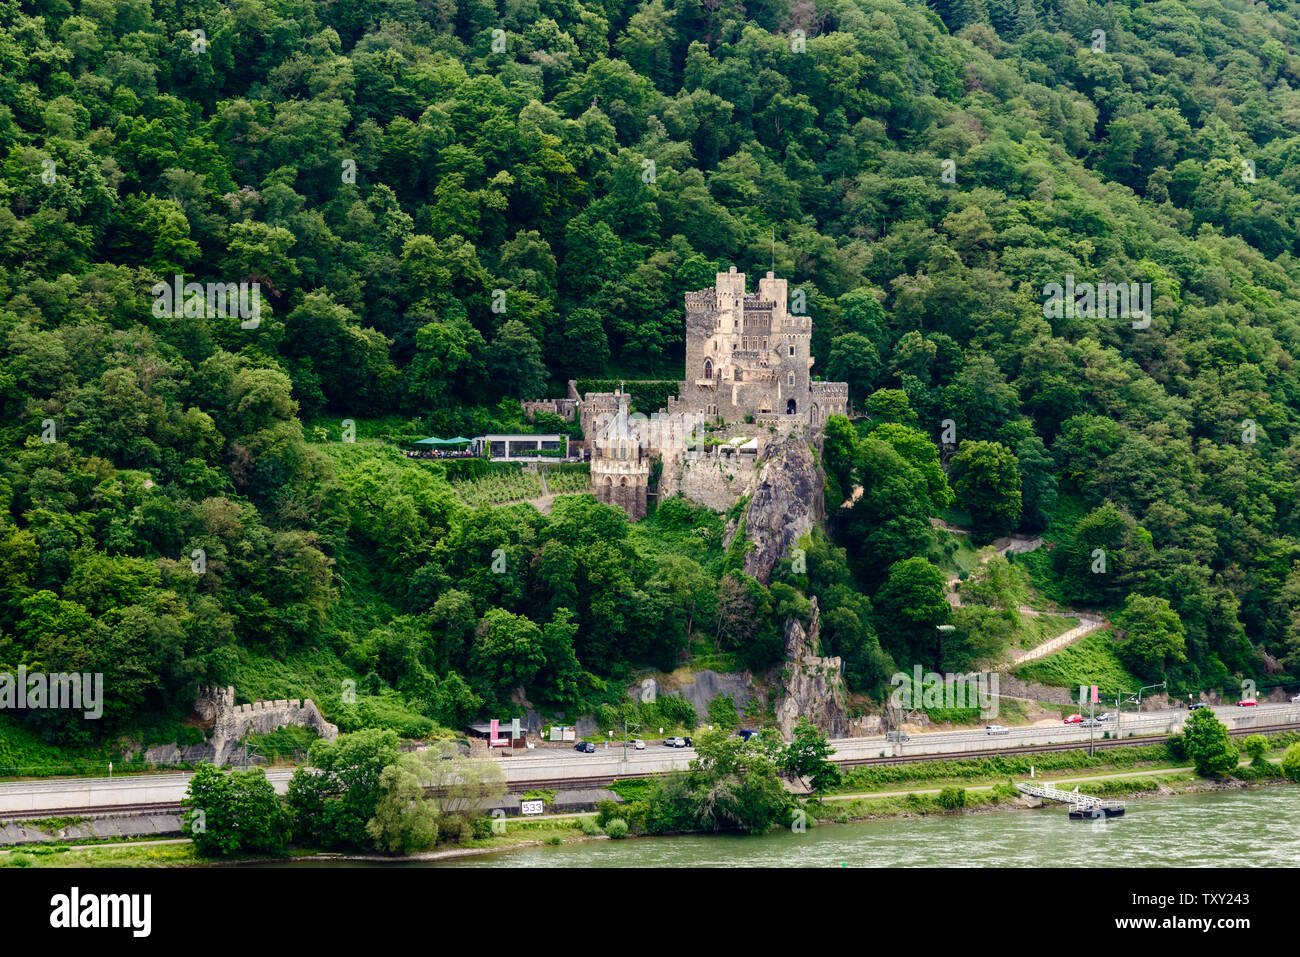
566 409
748 357
230 723
715 481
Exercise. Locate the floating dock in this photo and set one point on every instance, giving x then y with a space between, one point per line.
1083 807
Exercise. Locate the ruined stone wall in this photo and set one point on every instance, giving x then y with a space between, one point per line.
230 723
714 481
1010 687
566 409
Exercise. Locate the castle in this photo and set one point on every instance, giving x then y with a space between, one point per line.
748 379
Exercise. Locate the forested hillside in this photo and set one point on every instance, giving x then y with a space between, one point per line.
448 205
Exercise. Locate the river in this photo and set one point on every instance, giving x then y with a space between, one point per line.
1218 829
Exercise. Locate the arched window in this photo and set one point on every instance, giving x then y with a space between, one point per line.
791 407
708 366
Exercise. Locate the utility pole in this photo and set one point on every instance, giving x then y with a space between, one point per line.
635 727
1092 725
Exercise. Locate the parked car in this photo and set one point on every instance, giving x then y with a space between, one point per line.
1247 703
746 733
674 742
585 746
1089 722
688 742
996 729
1295 699
1074 719
638 744
895 736
1106 716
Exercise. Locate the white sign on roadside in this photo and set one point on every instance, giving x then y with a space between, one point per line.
531 807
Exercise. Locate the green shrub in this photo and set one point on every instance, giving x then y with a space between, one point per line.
951 798
722 712
616 829
676 711
606 811
1291 763
1255 746
636 813
589 826
1177 747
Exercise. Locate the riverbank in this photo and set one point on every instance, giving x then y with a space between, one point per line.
1004 797
521 835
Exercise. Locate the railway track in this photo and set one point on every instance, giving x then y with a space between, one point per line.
102 810
604 780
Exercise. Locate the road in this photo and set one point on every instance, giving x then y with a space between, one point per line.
545 767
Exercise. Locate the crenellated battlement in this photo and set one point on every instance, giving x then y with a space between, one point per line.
231 722
747 359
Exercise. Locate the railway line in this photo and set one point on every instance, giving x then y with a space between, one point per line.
114 810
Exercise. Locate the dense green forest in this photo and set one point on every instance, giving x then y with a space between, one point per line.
448 205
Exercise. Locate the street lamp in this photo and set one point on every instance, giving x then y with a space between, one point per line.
943 630
1144 688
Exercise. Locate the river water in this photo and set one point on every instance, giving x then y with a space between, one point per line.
1259 827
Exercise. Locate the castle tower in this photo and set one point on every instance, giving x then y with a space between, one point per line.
747 354
620 461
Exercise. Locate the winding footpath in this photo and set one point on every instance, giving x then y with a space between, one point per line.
1021 544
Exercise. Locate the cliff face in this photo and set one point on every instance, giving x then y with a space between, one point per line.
811 686
786 504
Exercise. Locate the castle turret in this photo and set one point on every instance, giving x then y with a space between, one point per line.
620 461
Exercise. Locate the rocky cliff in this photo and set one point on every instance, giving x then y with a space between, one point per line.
811 686
786 504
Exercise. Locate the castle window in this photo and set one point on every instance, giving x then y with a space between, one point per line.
791 378
764 344
792 353
740 375
708 366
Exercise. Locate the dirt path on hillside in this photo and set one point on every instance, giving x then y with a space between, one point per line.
1019 545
